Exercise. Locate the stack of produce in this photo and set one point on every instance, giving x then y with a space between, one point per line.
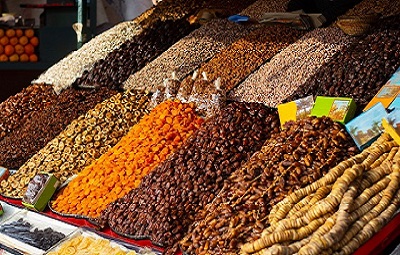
164 205
191 51
361 69
84 140
297 156
121 169
383 7
339 212
18 45
42 126
16 109
294 64
115 69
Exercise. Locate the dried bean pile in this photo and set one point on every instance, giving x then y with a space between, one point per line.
121 169
289 69
135 54
15 110
42 126
297 156
164 205
62 74
384 7
84 140
361 69
191 51
339 212
187 54
240 59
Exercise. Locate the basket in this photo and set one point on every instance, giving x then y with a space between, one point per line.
356 25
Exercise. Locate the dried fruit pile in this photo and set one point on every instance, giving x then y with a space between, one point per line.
339 212
42 126
84 140
297 156
164 205
121 169
361 69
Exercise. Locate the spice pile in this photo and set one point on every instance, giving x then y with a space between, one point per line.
164 205
297 156
84 140
339 212
42 126
121 169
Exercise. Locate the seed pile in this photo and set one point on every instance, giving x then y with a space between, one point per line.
121 169
339 212
135 54
237 61
360 70
290 69
62 74
164 205
384 7
15 110
42 126
84 140
297 156
187 54
257 9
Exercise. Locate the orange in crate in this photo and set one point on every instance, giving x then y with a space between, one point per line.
14 41
29 33
9 50
34 41
24 57
1 32
19 33
14 58
33 58
10 32
29 49
19 49
4 40
23 40
1 49
3 58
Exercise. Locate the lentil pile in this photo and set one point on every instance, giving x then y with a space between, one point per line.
237 61
121 169
42 126
297 156
339 212
294 64
62 74
164 205
360 70
85 139
15 110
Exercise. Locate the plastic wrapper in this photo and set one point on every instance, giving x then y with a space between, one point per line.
158 96
34 187
185 89
171 86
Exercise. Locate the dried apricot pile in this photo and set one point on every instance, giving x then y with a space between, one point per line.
121 169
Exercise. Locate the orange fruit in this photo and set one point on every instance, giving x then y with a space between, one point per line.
24 58
34 41
14 58
1 32
29 33
33 58
1 49
29 49
10 32
19 49
13 40
4 40
9 50
19 32
3 58
23 40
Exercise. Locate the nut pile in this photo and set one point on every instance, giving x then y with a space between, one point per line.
241 58
187 54
340 211
260 7
384 7
15 110
42 126
62 74
361 69
121 169
164 205
135 54
300 154
290 69
84 140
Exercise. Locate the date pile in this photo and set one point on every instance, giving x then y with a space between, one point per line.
84 140
15 110
164 205
22 231
361 69
42 126
297 156
115 173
